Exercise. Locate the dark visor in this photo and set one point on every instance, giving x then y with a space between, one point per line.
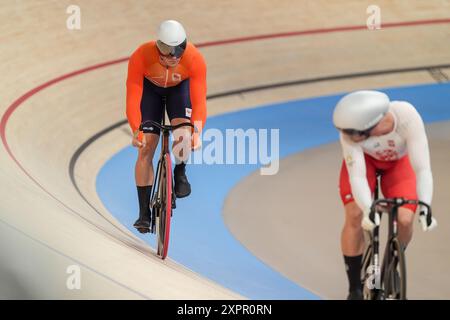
173 51
361 133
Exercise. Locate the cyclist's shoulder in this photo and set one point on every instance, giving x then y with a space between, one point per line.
407 117
191 48
405 112
402 107
192 55
144 50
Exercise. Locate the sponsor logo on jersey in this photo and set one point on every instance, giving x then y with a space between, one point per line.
349 160
188 112
387 155
176 77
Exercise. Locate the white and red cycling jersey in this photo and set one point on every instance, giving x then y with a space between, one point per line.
402 156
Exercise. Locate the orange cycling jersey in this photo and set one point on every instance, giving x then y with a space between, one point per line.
145 62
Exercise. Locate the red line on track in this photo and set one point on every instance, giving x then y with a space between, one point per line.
9 111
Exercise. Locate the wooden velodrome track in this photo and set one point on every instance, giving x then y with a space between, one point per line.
45 225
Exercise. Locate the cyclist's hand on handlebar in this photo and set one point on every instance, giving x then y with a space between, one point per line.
383 207
136 142
426 219
370 221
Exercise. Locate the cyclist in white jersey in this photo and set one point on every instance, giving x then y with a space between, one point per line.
386 137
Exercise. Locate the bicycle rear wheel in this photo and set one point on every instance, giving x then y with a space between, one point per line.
395 273
165 212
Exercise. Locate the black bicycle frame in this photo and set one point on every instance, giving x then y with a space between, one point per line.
393 205
375 237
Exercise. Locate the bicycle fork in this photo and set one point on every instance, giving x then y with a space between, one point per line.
374 280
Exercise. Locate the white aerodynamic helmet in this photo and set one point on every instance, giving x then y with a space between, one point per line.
171 38
171 32
360 110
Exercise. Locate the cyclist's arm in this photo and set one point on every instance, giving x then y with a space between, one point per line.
356 167
198 91
134 89
419 154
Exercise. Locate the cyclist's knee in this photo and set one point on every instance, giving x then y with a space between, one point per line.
183 132
405 217
145 155
353 215
182 143
146 152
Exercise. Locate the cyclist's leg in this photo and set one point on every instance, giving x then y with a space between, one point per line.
181 146
151 109
144 172
399 181
179 109
352 237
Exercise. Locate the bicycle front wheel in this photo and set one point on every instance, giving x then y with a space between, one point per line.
165 213
395 275
369 275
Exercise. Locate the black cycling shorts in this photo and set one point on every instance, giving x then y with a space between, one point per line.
176 98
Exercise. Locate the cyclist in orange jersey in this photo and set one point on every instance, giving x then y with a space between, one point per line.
169 70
